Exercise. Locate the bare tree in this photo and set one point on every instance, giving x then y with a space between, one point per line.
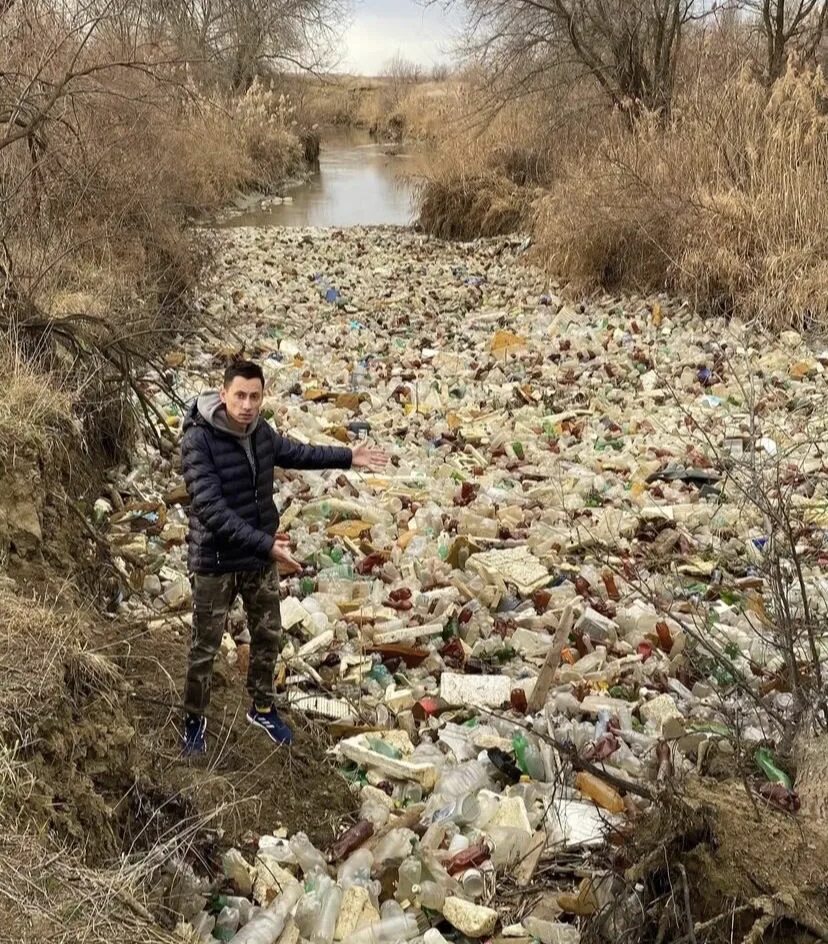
630 48
789 26
247 37
403 71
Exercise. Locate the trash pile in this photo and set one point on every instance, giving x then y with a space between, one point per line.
552 603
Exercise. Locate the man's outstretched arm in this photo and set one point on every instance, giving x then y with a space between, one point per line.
291 454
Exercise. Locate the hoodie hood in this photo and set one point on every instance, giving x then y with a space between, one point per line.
210 408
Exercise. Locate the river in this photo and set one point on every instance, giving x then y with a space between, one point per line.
358 182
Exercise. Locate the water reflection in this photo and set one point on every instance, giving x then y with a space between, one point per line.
359 182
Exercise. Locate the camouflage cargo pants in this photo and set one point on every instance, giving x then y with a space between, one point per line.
213 595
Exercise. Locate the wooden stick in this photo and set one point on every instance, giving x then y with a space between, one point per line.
550 665
526 867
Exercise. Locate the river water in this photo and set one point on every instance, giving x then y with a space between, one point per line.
358 183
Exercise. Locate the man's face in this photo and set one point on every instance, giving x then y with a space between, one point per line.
242 399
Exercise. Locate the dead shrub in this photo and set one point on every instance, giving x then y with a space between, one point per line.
464 207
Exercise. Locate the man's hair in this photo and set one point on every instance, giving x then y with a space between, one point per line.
246 369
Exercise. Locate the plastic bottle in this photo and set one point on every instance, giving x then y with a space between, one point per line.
227 923
406 793
393 847
473 884
269 923
431 895
375 812
244 906
464 778
410 873
351 839
391 909
203 925
356 869
468 858
310 859
528 756
764 761
386 931
602 794
464 810
326 924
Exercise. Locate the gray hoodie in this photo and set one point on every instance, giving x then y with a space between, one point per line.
212 409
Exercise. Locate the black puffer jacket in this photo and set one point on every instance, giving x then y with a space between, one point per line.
233 517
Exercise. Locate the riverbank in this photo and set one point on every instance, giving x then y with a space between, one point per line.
514 421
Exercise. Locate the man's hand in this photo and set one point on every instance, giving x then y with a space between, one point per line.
369 457
280 553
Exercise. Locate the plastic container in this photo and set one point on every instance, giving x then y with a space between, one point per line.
393 847
203 925
431 895
528 757
227 923
464 810
356 869
329 912
351 839
268 924
386 931
310 859
410 874
598 791
463 779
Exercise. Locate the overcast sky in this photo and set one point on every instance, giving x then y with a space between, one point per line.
381 28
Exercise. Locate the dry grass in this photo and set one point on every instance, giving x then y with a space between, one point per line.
728 204
33 408
392 108
36 641
465 205
486 169
47 895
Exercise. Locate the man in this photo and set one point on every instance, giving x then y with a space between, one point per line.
228 456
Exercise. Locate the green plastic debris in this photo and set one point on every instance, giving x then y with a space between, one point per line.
765 762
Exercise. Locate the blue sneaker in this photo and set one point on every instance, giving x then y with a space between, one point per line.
194 739
270 722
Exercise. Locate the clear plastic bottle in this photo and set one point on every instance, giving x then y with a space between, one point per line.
227 923
356 869
386 931
464 810
410 873
393 847
245 907
310 859
391 909
462 779
203 925
323 932
269 923
309 909
431 895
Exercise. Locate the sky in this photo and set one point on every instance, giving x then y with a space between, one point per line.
381 28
